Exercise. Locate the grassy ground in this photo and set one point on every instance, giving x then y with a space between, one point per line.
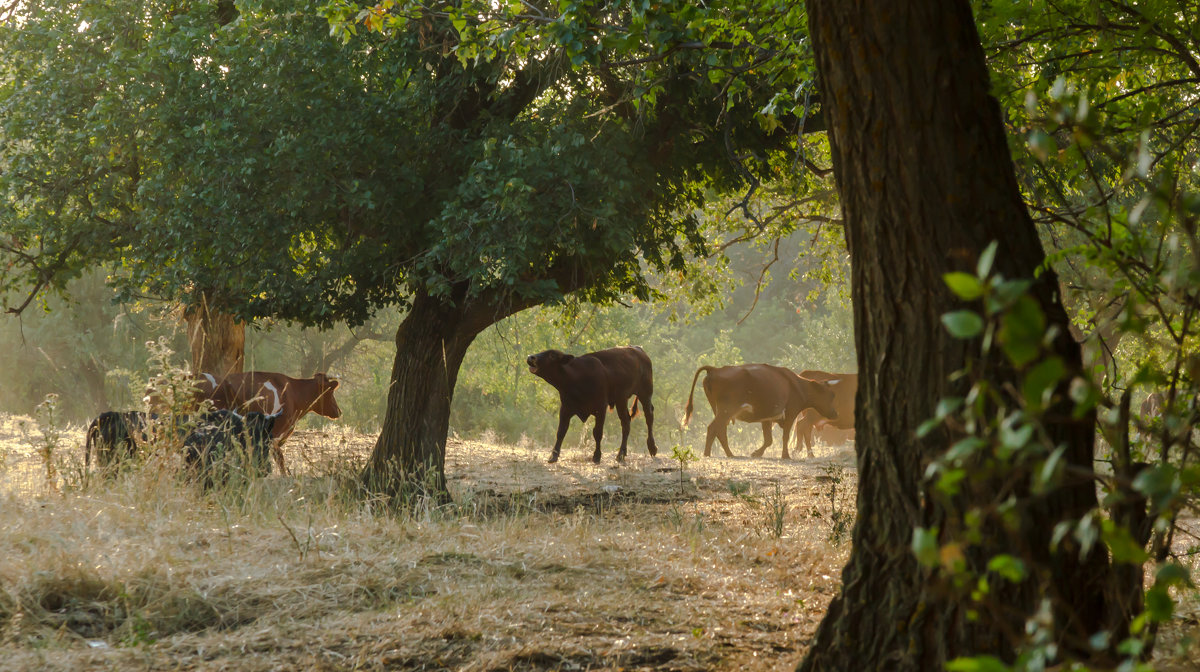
570 566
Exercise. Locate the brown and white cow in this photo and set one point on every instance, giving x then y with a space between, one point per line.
845 386
272 393
588 385
757 393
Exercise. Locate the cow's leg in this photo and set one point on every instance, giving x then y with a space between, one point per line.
277 453
786 426
810 438
623 415
598 432
648 409
277 448
564 419
804 434
718 430
767 440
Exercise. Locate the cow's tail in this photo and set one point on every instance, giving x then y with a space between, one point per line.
633 411
687 413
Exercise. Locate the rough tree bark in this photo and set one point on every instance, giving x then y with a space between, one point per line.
408 461
217 340
926 182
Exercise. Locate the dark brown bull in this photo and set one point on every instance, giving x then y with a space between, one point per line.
757 393
588 385
845 386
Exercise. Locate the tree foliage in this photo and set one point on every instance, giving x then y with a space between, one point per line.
303 180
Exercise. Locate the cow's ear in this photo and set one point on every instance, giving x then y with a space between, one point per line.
333 383
567 358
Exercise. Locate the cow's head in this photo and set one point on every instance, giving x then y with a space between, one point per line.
820 395
829 397
325 404
547 362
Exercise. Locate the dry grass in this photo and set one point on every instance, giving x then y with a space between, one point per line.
570 566
536 566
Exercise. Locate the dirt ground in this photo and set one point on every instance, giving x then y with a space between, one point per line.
571 566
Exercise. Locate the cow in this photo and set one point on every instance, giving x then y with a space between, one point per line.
114 436
845 386
589 385
274 394
760 393
220 443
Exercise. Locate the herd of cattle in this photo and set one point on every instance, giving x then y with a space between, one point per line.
240 422
588 385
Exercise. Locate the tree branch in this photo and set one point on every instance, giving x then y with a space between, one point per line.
761 278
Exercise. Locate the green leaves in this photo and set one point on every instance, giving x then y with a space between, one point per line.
1009 567
1022 329
963 323
1041 381
925 546
977 664
965 285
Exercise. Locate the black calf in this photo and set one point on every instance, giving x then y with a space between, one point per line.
224 442
114 437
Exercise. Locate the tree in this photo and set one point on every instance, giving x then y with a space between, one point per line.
927 182
1098 103
264 167
217 340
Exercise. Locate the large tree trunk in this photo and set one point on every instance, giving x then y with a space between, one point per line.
409 458
217 340
926 183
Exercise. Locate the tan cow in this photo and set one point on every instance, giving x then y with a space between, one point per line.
757 393
845 386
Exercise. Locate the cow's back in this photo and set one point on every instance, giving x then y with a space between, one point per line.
257 390
627 371
746 383
264 392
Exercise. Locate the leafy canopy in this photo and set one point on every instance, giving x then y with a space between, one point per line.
283 174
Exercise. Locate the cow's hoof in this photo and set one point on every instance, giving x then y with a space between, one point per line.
620 458
596 459
653 450
757 453
552 460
